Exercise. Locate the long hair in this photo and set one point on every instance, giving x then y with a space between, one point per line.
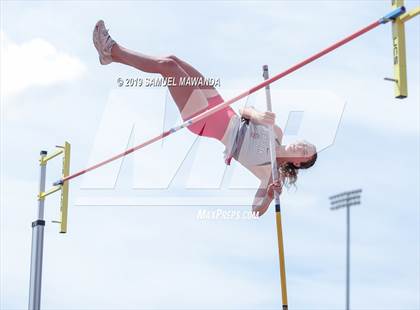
288 171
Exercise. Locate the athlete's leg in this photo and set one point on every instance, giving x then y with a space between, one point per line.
209 91
217 123
167 67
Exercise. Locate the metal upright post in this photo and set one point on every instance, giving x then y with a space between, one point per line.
37 244
39 224
275 174
346 200
348 258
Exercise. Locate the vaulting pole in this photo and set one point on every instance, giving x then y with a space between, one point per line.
391 16
275 174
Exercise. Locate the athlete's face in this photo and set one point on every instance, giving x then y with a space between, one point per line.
300 152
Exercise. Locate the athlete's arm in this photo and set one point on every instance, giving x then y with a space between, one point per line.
279 133
264 196
257 117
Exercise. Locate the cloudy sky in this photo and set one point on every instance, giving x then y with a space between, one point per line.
134 240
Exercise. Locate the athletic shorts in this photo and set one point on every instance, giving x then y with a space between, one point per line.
214 125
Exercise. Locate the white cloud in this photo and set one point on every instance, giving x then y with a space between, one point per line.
35 63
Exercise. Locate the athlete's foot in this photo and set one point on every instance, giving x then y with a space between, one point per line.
103 42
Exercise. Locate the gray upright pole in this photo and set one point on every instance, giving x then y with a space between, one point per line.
37 245
348 258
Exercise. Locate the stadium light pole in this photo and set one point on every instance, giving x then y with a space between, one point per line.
346 200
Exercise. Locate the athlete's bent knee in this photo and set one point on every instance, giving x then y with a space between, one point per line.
173 57
167 64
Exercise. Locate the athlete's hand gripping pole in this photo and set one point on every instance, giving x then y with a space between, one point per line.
275 175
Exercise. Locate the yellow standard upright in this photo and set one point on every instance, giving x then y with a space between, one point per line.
399 52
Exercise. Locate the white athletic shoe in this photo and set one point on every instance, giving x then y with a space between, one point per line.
103 42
